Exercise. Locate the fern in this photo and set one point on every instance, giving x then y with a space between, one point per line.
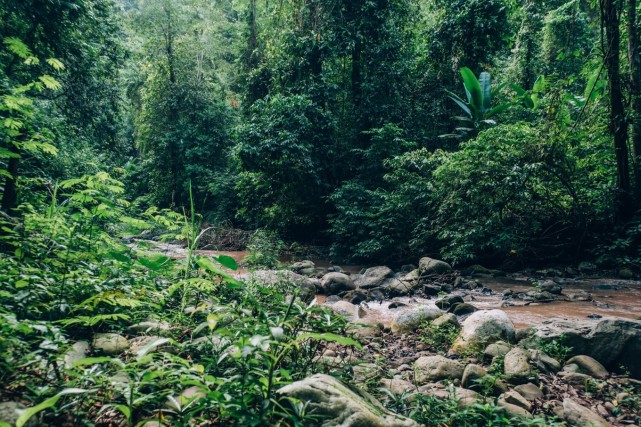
94 320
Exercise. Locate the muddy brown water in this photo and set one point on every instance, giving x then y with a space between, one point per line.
609 297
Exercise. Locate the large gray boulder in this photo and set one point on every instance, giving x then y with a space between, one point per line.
373 277
335 283
436 368
516 365
339 406
409 320
613 342
429 265
578 415
11 411
482 328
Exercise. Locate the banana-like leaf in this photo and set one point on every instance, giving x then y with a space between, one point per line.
485 81
463 106
473 88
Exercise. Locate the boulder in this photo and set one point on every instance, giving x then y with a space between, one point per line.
110 344
78 351
463 396
447 318
11 411
497 349
400 287
408 320
436 368
463 308
335 283
543 362
513 409
337 405
577 379
303 267
579 415
373 277
482 328
472 373
516 365
398 385
356 296
551 287
433 266
448 301
345 309
613 342
588 365
529 391
514 398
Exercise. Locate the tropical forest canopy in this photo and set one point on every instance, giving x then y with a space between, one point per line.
478 130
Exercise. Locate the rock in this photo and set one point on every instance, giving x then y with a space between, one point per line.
110 344
585 267
337 405
529 391
366 331
436 368
463 396
397 385
11 411
484 327
428 265
497 349
335 283
551 287
513 409
188 395
463 309
403 286
516 365
448 301
303 267
364 372
345 309
78 351
408 320
447 318
373 277
471 373
626 273
579 415
577 379
589 366
543 362
431 290
613 342
356 296
155 326
514 398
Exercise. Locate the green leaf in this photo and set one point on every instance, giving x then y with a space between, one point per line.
485 82
92 361
50 82
472 87
208 265
146 349
156 262
227 261
49 403
56 64
539 85
329 337
17 47
462 105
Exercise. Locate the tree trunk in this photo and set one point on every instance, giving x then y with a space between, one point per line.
635 90
618 126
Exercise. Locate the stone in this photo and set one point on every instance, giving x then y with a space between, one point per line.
301 267
335 283
428 265
472 373
484 327
551 287
590 366
463 309
436 368
364 372
448 301
497 349
463 396
577 379
398 385
373 277
447 318
409 320
579 415
110 344
529 391
185 397
11 411
613 342
516 365
513 409
156 326
343 308
515 398
401 287
78 351
356 296
543 362
337 405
